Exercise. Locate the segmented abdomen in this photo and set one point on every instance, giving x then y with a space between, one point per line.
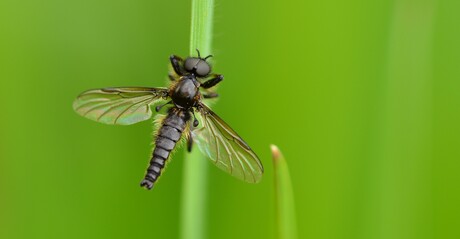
169 134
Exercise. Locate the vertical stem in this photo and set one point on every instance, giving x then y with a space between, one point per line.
193 218
201 29
195 168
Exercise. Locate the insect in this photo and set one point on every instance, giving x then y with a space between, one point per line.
191 80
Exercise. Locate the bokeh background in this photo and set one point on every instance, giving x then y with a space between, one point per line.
361 96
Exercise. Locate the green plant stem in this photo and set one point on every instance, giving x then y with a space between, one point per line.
195 169
286 224
201 28
193 196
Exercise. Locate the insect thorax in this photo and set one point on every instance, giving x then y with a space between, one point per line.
185 93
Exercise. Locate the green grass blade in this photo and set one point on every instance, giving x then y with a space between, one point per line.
286 224
194 191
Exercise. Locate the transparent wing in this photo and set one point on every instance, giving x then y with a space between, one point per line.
120 106
226 148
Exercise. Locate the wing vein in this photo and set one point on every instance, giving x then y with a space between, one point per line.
122 105
102 105
226 148
110 109
215 138
124 111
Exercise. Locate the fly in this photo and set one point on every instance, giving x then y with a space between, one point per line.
191 80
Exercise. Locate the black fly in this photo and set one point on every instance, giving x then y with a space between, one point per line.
129 105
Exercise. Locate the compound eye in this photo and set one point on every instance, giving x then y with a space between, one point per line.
190 63
203 68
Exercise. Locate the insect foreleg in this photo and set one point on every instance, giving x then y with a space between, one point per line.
176 64
212 82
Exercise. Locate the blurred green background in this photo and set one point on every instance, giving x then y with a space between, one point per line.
361 96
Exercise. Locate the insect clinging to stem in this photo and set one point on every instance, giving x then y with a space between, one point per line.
130 105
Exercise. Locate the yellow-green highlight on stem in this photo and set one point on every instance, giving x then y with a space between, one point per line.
286 224
194 192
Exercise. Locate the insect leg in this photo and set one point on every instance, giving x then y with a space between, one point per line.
190 136
195 121
190 141
158 108
171 77
176 64
212 82
210 95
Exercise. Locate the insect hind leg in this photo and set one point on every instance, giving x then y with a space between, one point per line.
190 141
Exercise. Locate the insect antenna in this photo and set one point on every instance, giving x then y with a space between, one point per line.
199 55
208 57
